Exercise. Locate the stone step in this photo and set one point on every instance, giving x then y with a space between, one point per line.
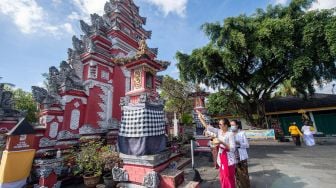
183 162
190 184
171 178
129 185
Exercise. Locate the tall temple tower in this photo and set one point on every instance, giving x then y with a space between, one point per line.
83 95
108 62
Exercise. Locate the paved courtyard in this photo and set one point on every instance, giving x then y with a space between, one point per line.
275 165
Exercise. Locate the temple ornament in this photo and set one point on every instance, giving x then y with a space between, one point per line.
151 180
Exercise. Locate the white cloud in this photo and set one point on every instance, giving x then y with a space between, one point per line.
30 18
280 2
170 6
324 4
74 16
87 7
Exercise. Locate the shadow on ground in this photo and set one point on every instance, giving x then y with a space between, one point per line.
274 179
255 150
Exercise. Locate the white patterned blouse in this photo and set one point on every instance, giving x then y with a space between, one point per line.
228 138
240 138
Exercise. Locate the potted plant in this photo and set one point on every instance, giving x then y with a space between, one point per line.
90 163
110 159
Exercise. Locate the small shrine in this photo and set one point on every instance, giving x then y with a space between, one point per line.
18 155
202 141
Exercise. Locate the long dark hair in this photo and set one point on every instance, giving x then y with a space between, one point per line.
226 122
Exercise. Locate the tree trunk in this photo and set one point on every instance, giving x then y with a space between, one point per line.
254 113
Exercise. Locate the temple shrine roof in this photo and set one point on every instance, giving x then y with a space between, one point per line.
21 128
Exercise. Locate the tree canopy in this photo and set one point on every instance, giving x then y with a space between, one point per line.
224 102
176 95
252 55
24 101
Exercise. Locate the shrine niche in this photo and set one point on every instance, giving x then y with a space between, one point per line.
137 78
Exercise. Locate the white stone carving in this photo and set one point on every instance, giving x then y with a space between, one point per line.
49 118
120 44
68 98
106 101
105 75
64 135
88 129
69 142
127 75
74 122
46 142
60 118
93 69
76 104
53 130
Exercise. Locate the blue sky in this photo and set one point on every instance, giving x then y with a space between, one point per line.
35 34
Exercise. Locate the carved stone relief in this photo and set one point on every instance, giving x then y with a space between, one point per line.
151 180
53 130
74 122
119 174
137 79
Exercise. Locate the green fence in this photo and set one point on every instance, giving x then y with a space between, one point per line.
326 123
287 119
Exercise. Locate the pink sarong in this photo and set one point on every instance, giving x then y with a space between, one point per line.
226 172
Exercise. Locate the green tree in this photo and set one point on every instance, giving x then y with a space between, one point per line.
24 101
224 102
187 119
286 89
176 94
252 55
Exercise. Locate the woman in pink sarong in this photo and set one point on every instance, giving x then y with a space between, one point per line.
226 156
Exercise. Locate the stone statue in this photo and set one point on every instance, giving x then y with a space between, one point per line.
142 48
143 98
119 174
39 94
86 28
68 76
77 44
97 22
6 99
151 180
90 46
107 21
75 62
53 82
42 96
124 100
108 7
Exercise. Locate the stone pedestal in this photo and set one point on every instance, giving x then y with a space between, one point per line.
202 144
151 170
49 181
47 171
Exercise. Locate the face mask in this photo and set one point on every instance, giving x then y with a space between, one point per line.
234 128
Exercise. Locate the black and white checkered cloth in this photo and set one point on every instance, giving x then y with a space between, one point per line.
140 122
198 122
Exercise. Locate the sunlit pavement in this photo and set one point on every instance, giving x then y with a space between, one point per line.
275 165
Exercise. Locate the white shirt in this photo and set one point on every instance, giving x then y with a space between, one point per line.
240 137
306 130
227 138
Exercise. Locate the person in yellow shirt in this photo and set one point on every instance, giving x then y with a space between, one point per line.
295 133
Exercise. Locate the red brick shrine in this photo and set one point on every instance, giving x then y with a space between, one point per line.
105 89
